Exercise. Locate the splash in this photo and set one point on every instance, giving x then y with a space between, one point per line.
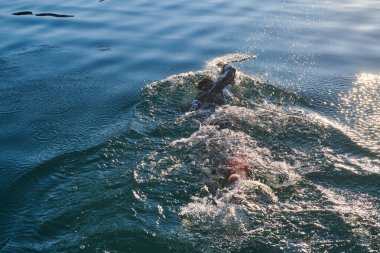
228 58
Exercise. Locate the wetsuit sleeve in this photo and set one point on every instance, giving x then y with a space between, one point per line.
227 77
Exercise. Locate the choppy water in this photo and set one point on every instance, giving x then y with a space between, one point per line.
96 155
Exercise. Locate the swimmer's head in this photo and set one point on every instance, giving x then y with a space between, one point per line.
205 84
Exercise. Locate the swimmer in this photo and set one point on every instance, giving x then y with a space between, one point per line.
214 92
235 169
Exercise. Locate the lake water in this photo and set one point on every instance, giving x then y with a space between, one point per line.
96 155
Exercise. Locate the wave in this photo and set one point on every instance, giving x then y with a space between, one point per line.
283 141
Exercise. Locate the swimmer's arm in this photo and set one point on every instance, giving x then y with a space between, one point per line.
227 76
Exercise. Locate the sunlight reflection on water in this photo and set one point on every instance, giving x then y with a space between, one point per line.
361 107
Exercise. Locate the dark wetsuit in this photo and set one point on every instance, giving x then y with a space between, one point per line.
214 95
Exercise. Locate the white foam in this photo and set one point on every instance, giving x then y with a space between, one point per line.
245 200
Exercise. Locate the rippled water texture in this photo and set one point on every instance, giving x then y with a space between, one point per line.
96 154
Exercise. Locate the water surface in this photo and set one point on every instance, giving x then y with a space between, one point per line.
96 155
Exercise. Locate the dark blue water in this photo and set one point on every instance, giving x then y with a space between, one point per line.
96 155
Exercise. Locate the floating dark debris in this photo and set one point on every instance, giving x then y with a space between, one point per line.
23 13
43 14
54 15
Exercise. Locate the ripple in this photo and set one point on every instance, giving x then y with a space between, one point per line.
11 103
44 131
